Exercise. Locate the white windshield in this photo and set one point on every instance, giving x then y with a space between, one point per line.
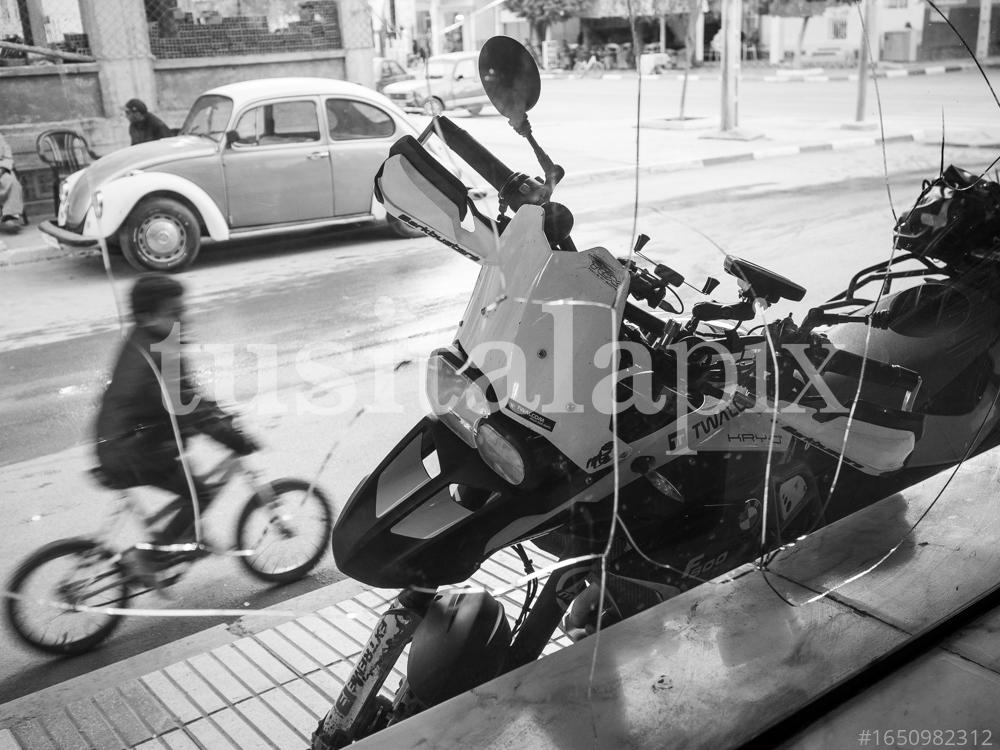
209 116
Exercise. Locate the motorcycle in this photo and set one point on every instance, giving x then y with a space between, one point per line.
649 454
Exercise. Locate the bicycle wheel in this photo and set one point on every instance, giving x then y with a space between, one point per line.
52 582
287 529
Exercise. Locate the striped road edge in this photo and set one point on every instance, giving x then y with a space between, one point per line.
761 154
266 690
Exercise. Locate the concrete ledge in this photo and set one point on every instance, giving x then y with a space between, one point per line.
717 666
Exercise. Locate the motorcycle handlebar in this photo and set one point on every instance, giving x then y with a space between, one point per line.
494 171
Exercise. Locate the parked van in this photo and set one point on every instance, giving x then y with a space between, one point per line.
450 81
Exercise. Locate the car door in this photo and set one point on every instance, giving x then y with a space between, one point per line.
360 136
465 85
277 165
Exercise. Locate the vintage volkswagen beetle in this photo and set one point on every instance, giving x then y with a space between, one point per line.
254 158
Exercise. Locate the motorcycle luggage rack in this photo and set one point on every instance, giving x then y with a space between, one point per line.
879 271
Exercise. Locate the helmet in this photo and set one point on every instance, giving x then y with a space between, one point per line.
461 643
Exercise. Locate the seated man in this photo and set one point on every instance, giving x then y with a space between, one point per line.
11 193
149 396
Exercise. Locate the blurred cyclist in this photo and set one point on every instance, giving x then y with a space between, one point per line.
149 400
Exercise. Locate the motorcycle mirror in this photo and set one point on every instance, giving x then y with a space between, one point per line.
510 77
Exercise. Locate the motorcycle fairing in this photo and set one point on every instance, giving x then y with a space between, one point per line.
415 188
950 335
402 527
538 326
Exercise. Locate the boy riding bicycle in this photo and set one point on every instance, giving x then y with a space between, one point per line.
150 406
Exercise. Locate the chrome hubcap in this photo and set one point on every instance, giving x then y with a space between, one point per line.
162 237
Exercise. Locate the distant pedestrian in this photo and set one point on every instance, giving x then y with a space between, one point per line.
11 193
143 125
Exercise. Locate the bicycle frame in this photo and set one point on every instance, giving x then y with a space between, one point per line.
217 476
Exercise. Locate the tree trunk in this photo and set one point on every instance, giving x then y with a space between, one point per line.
797 61
635 34
636 45
691 35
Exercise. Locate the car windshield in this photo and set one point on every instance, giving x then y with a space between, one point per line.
209 116
439 68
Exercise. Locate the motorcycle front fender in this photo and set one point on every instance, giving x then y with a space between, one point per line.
404 527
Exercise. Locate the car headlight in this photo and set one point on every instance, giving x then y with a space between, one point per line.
500 451
63 212
98 203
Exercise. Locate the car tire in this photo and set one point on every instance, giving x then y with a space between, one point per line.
402 229
161 234
433 106
474 110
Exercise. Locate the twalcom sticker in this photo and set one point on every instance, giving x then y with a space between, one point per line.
532 416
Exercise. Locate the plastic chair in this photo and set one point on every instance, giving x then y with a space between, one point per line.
65 151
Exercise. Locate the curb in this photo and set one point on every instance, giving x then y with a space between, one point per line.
36 253
760 154
890 73
781 76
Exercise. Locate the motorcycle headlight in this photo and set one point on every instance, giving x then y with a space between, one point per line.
501 453
458 400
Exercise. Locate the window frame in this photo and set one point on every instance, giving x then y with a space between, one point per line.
287 140
349 137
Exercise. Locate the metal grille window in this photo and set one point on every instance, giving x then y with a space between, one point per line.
56 24
838 28
210 28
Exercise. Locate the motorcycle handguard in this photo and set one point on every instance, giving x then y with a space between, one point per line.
416 189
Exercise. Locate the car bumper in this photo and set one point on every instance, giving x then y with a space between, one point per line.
66 237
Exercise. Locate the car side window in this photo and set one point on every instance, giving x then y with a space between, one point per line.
278 123
465 70
350 120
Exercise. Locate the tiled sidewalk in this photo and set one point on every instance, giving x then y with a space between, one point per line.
265 690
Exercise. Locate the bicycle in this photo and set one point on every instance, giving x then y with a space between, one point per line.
67 596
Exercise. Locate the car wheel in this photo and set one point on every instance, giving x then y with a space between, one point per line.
402 229
433 106
160 234
475 110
